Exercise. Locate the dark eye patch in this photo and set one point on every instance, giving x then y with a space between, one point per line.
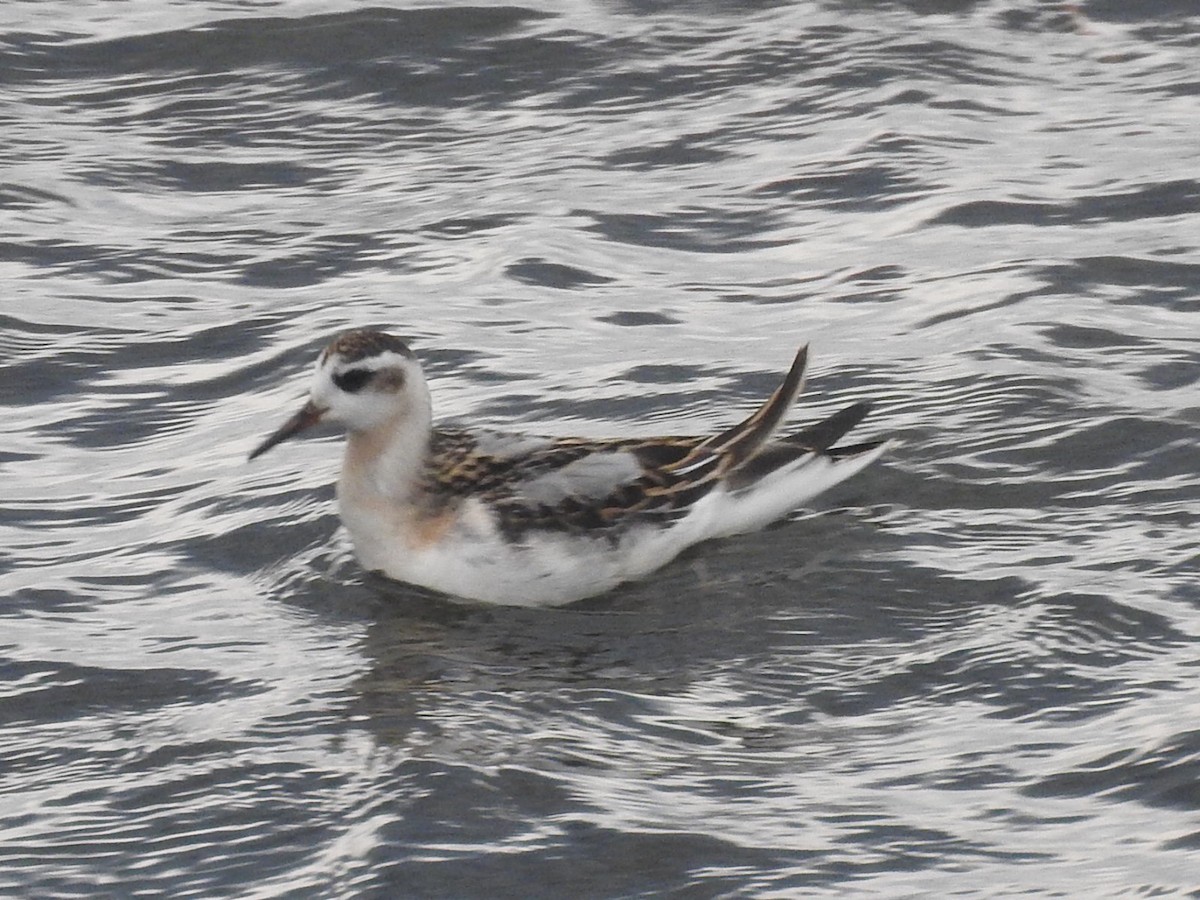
352 380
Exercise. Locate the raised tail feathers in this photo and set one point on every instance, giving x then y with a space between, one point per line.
827 432
744 456
735 445
817 439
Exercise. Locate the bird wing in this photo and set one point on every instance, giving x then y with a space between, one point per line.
590 484
569 482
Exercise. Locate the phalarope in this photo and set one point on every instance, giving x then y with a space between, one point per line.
531 521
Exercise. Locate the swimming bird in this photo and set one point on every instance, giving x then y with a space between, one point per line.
533 521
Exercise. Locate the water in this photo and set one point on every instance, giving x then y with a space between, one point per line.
970 670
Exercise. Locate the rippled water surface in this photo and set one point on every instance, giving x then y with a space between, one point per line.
972 669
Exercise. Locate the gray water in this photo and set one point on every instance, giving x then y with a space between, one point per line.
971 670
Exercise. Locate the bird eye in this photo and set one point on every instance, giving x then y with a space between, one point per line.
352 380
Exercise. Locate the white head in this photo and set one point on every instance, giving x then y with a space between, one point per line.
365 380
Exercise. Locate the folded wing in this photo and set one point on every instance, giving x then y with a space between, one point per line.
580 483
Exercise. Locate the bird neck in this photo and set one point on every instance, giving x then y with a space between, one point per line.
387 461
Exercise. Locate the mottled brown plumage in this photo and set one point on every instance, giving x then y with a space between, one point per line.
355 346
457 468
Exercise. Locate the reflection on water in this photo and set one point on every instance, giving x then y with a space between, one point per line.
971 665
